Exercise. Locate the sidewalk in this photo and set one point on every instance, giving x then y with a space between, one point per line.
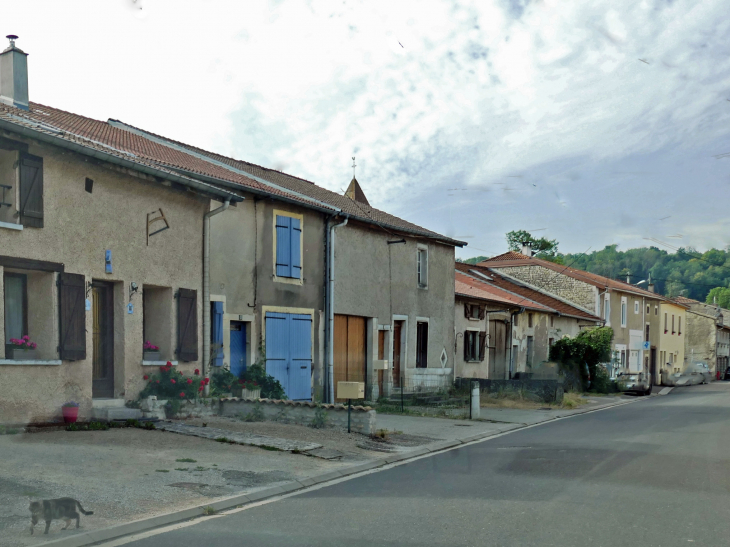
135 480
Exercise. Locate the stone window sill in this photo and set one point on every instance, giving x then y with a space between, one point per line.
22 362
157 363
11 226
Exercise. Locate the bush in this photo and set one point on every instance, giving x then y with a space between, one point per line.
602 383
172 385
271 388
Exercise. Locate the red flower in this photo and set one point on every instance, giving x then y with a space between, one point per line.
207 381
182 394
197 372
179 371
190 380
201 388
163 369
145 377
157 381
172 380
169 364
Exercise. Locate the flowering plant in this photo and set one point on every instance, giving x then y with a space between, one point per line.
149 346
70 404
23 343
172 384
249 385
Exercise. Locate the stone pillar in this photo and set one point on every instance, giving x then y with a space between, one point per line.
475 406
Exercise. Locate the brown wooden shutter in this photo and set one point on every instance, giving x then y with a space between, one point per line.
482 345
465 338
31 191
187 325
482 312
467 310
72 311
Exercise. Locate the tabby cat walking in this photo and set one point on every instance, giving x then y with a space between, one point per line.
61 508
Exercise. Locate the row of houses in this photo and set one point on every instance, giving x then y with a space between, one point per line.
112 236
530 303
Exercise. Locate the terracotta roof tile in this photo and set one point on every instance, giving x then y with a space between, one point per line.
153 150
470 287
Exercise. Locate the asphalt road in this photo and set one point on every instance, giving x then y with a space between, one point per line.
653 473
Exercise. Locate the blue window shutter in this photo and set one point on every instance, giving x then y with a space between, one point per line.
296 248
283 246
217 333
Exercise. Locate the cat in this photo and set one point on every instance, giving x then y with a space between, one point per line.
61 508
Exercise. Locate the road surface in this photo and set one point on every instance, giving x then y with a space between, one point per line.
652 473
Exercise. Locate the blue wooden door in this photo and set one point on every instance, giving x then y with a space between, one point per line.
289 353
238 347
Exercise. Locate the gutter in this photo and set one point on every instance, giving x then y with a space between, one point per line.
330 295
201 187
206 288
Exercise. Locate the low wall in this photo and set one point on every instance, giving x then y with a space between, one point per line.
547 391
363 418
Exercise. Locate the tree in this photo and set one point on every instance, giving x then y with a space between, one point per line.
543 247
722 294
590 347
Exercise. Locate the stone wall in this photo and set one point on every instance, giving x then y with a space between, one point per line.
547 391
363 418
573 290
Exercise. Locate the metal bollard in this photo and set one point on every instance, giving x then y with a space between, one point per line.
475 407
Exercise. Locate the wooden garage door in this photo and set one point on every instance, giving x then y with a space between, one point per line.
349 349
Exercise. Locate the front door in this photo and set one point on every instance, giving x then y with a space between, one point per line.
103 340
238 348
656 380
397 333
497 349
289 353
349 350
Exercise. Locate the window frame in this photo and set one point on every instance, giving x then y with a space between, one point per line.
281 278
624 312
530 321
473 345
421 358
607 309
636 307
421 271
24 278
679 326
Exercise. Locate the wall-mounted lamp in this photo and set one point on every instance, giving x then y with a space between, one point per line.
133 288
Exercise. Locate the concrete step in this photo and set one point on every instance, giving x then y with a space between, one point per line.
116 413
107 403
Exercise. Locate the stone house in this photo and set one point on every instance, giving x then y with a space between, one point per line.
518 323
624 307
100 250
707 337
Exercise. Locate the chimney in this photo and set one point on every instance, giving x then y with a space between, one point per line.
527 248
650 287
14 75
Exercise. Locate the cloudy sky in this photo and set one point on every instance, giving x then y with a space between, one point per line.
590 122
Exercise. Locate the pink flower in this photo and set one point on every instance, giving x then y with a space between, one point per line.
190 381
182 394
197 372
145 377
172 380
33 345
169 364
26 337
163 369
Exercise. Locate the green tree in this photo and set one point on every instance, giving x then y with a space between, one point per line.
590 347
543 247
722 294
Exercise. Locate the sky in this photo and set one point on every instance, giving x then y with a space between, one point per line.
593 123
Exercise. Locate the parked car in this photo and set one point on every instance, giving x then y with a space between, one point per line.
634 382
696 373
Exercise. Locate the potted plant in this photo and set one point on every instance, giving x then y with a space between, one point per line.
150 352
21 349
246 389
70 412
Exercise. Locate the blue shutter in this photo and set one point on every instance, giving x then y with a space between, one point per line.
217 332
296 248
300 343
277 347
283 246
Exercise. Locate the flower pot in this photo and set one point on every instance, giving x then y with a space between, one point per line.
70 414
151 356
18 354
238 391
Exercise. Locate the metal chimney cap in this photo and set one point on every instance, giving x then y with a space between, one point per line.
12 38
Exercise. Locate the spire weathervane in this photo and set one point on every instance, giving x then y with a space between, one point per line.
353 166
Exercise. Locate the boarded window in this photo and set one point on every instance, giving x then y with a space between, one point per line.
187 325
288 247
31 191
72 311
421 344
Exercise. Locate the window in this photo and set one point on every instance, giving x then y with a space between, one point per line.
157 314
623 358
665 324
471 345
551 341
648 309
21 177
646 333
607 311
552 321
529 320
517 320
16 306
636 306
530 350
421 344
624 305
679 325
288 241
656 310
673 331
422 266
474 311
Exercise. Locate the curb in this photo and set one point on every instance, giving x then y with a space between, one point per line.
95 537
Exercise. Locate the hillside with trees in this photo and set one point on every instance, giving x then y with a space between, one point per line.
686 272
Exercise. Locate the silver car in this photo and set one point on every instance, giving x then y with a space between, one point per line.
634 382
696 373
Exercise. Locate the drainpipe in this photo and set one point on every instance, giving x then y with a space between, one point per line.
511 334
206 289
329 331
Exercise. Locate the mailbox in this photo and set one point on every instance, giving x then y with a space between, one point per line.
380 364
350 390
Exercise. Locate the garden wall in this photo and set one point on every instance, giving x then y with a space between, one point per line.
547 391
363 418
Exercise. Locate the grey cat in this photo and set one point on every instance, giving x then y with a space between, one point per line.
61 508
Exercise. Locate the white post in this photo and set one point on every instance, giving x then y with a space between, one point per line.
475 406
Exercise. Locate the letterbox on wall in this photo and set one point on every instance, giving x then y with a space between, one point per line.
350 390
